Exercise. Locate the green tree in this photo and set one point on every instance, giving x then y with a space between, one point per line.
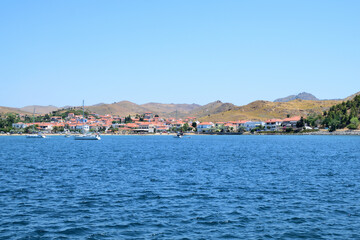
10 119
185 127
300 123
128 119
334 124
241 129
354 123
55 129
46 118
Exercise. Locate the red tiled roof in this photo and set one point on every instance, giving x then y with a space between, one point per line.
206 123
274 120
291 119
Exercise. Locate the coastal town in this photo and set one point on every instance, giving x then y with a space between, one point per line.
343 117
149 123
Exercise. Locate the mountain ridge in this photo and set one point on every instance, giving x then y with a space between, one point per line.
213 111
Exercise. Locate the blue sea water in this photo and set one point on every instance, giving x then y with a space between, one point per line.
160 187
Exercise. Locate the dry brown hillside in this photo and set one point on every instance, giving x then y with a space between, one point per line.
122 108
211 109
262 110
39 109
11 110
170 110
125 108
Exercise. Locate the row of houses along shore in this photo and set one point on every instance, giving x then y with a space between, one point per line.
148 123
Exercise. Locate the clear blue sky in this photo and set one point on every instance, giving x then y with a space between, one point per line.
60 52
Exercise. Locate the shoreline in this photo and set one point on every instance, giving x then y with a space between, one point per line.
317 133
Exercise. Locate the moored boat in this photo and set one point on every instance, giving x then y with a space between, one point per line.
35 136
88 137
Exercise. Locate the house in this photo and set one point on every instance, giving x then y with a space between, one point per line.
143 127
56 119
45 126
83 127
249 125
230 127
148 115
273 124
177 124
291 122
19 125
205 127
162 128
219 124
240 124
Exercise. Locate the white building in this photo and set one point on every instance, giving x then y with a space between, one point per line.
273 125
251 125
19 125
85 128
204 127
291 122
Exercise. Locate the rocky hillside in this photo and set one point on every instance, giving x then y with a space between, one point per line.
302 96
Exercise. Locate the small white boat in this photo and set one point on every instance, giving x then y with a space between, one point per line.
88 137
35 136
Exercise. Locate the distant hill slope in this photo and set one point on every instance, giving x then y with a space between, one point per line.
352 96
11 110
212 108
171 110
215 111
39 109
122 108
125 108
302 96
263 110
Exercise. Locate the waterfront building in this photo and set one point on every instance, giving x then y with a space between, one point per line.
19 125
291 122
205 127
249 125
273 124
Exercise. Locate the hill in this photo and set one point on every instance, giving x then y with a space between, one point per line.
211 108
263 110
352 96
122 108
125 108
39 109
11 110
170 110
302 96
345 114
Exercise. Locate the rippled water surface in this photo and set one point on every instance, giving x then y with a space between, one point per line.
159 187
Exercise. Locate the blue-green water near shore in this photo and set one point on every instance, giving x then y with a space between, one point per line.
159 187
